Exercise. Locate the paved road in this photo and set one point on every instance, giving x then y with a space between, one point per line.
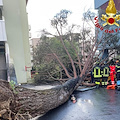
96 104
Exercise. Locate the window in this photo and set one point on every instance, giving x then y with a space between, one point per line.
2 47
0 14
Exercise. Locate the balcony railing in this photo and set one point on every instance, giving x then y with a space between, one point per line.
2 31
1 3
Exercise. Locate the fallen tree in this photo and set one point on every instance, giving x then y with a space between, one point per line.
72 54
27 103
22 103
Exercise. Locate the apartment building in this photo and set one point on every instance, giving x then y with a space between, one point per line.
104 3
3 39
101 5
14 40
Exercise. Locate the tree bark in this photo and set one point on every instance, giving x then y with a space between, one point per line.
28 103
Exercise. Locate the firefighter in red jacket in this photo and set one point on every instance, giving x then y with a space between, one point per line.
112 76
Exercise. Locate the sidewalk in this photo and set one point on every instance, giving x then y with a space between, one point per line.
39 87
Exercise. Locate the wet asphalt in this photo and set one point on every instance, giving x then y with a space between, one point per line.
96 104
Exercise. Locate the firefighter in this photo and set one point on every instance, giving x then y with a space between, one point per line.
105 74
112 73
97 74
112 85
118 73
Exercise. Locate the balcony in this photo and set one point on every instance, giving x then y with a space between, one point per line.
2 31
1 3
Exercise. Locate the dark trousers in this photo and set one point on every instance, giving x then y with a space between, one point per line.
92 77
118 76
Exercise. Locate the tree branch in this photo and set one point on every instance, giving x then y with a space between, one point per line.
66 71
72 63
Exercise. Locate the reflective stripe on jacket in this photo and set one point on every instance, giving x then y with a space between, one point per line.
97 72
106 71
97 83
117 68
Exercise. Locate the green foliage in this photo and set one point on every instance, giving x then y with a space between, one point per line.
46 63
12 84
45 60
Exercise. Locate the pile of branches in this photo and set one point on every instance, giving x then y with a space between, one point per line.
8 103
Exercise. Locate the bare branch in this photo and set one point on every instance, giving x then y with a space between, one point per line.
56 78
66 71
72 63
78 58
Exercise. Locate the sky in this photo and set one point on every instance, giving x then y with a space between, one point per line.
40 12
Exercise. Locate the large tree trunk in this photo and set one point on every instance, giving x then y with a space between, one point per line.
28 102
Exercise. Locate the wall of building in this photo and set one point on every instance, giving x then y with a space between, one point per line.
16 23
98 3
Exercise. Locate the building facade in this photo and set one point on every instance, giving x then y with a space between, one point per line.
14 40
33 44
104 3
101 6
3 39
